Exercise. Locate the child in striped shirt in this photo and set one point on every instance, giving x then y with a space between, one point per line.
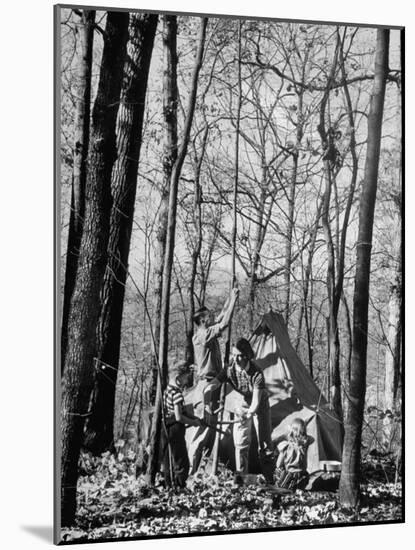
175 420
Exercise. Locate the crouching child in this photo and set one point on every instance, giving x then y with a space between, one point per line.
291 465
175 459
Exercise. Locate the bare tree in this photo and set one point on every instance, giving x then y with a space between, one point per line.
393 354
99 427
306 306
85 32
168 257
197 246
78 377
350 476
330 158
169 158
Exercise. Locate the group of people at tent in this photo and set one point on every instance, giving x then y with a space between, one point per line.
263 409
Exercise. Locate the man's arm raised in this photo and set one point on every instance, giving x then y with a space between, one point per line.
226 314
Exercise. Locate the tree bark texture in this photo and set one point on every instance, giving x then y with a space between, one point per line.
99 428
85 33
78 376
168 258
350 476
169 158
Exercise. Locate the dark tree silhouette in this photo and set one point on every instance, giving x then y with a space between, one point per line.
78 376
99 428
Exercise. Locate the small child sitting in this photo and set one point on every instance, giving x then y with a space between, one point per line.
176 459
291 466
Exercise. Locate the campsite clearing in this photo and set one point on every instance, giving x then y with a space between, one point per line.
292 394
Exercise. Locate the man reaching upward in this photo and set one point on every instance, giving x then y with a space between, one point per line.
208 361
206 347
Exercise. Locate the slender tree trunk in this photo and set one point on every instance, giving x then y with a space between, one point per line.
85 32
350 476
197 221
332 325
169 158
257 244
78 375
99 428
168 260
222 397
393 354
206 263
327 139
338 289
306 307
349 347
291 206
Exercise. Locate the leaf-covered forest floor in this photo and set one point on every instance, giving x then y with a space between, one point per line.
114 503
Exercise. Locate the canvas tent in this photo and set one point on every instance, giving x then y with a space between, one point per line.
292 394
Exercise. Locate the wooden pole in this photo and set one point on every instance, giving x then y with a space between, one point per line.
234 228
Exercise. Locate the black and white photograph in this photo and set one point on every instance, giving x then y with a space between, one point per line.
229 203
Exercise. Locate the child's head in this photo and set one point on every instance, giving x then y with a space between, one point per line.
180 373
297 429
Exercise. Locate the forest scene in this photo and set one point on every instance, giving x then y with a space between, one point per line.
230 274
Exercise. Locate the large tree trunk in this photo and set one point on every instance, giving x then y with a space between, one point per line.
168 262
78 375
99 428
350 476
85 33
